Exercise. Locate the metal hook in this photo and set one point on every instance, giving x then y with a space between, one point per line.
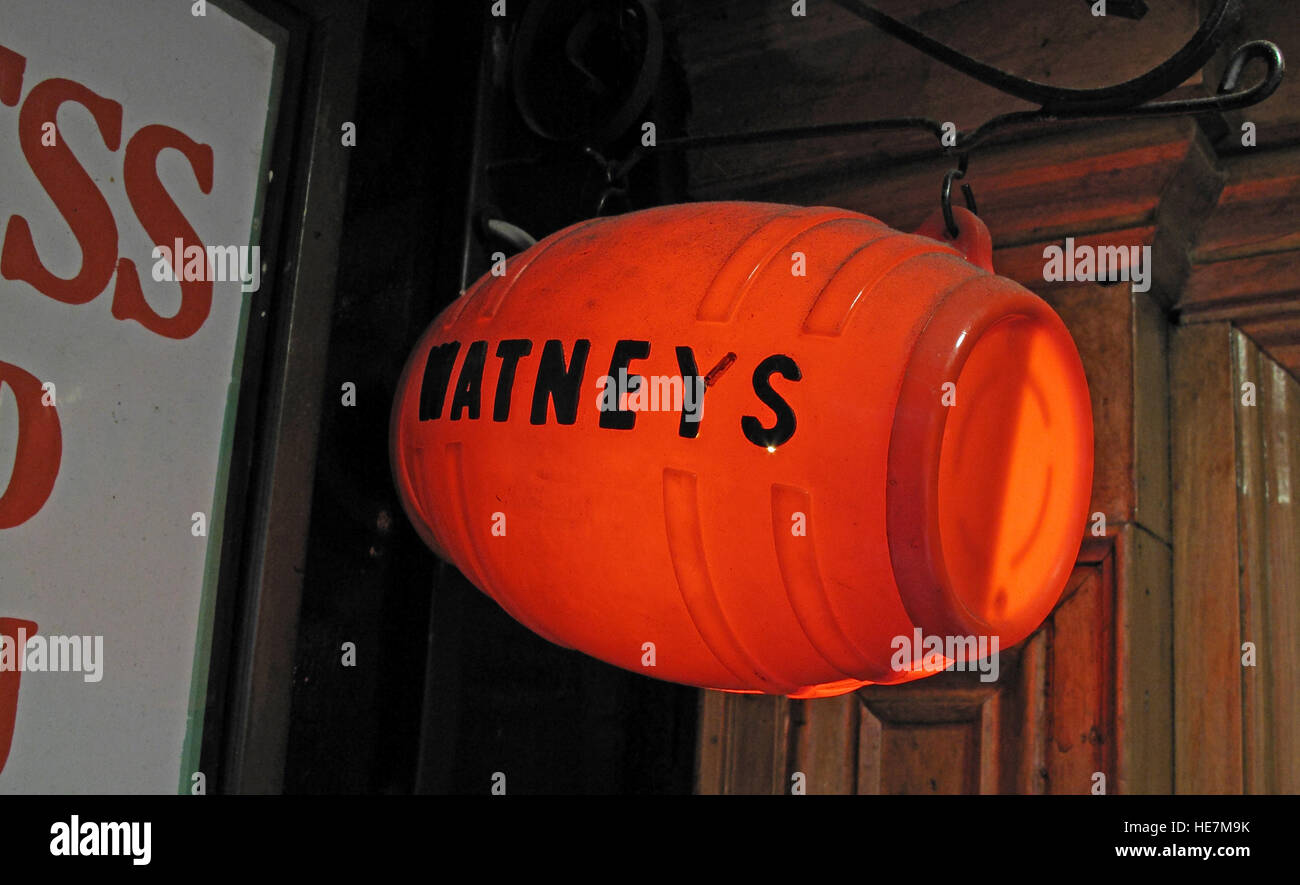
945 196
615 174
1264 49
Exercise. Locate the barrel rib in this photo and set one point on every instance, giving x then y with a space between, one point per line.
797 557
686 548
459 505
733 280
856 277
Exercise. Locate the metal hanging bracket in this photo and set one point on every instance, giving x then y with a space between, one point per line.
1132 99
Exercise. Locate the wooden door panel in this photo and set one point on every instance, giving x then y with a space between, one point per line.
940 757
1237 569
1047 724
930 739
744 742
1081 654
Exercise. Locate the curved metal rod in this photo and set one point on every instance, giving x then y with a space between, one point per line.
1228 98
1161 79
789 133
1254 49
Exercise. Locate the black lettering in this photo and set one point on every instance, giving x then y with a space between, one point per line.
687 428
469 387
556 382
437 374
624 352
783 429
511 350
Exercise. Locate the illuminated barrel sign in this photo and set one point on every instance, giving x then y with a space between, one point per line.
750 446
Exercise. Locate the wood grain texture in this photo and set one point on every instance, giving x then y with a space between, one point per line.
825 740
1255 212
1089 692
1137 674
710 758
1247 287
937 735
1207 645
1246 259
1236 565
1144 660
744 744
1151 463
1047 724
1269 541
1278 335
1252 490
1220 218
1282 442
1081 674
1185 203
1025 714
830 66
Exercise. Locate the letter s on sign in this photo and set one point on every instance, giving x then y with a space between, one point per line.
165 224
78 200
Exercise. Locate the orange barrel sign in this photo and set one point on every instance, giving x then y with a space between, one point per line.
753 447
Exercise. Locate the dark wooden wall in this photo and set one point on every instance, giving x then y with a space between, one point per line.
1120 679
